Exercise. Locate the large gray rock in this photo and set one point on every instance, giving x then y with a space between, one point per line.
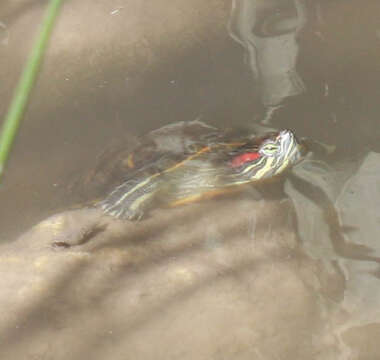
218 280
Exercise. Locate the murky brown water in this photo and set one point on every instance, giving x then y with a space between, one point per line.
298 277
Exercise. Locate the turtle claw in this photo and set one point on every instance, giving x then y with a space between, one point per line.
123 214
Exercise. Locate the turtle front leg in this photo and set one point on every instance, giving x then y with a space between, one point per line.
131 199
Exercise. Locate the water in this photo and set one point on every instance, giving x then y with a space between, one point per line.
292 275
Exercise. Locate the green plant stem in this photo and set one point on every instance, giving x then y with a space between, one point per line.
20 98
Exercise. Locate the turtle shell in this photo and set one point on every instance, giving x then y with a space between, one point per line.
162 148
148 154
166 147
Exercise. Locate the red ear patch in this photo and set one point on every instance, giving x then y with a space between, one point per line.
243 158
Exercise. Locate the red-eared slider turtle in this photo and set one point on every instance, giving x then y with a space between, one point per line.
189 161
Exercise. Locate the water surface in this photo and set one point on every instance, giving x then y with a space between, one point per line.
121 69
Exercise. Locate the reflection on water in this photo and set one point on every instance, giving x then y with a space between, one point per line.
268 32
336 197
315 70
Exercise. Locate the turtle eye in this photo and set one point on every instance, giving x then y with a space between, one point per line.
269 149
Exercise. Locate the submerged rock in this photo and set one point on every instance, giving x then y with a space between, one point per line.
221 279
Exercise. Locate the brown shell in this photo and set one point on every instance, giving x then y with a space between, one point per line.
153 152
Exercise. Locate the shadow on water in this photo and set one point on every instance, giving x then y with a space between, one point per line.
11 11
331 217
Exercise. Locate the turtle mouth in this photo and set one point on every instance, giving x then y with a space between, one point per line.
290 148
285 135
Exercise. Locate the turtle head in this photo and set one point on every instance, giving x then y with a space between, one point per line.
283 147
275 153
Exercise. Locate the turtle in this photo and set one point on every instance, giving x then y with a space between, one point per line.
186 162
189 161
